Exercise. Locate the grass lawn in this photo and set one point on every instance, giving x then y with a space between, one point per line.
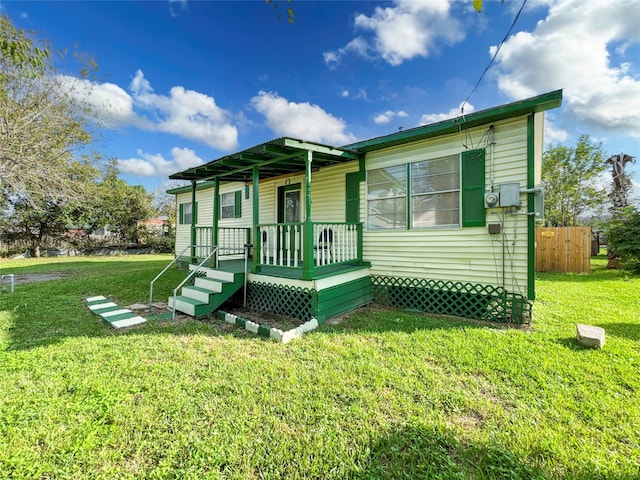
383 394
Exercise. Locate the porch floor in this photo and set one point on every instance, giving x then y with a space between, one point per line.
237 266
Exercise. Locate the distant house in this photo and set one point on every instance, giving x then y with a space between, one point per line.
438 218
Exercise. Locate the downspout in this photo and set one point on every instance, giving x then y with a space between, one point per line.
193 221
307 236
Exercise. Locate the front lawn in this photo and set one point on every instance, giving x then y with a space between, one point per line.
382 394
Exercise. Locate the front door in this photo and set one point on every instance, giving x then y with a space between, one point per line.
290 211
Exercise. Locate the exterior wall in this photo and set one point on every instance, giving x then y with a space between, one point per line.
459 254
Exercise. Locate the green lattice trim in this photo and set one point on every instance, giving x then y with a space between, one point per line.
296 302
480 302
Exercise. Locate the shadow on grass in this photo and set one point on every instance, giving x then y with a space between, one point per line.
427 453
630 331
48 312
377 319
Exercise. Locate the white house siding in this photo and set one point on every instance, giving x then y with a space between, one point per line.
328 192
468 254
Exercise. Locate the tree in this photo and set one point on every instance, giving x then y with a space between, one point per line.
42 123
569 175
120 206
619 196
623 238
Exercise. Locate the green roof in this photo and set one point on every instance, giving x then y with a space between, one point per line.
540 103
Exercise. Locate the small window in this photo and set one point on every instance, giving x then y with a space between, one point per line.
230 204
387 197
186 214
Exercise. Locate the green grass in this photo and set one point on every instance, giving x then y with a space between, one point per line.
384 394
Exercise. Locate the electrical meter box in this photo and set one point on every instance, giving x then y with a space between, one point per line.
509 195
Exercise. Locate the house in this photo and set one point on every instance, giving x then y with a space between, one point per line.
439 218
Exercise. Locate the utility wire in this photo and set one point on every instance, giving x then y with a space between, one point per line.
513 24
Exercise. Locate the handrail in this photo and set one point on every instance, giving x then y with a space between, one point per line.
175 259
193 272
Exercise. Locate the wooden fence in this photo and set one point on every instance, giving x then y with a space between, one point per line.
563 249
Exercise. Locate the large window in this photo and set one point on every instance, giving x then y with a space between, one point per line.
387 197
435 192
419 195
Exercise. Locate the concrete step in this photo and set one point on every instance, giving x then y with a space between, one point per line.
198 293
210 284
112 314
190 306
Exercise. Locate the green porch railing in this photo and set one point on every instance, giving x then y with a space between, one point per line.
287 245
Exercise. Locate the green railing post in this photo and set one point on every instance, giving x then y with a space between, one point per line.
307 250
193 221
216 219
257 239
360 247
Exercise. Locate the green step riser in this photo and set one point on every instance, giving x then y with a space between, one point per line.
216 299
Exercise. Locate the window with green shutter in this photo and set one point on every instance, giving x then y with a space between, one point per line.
473 173
231 204
187 213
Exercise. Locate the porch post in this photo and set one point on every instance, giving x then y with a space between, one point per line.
257 239
193 221
307 249
216 217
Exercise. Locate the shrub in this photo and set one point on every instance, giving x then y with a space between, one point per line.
623 235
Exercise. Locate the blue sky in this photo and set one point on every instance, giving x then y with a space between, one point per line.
181 83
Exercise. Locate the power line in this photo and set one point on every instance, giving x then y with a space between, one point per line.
493 58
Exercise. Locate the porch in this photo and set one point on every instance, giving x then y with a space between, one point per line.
301 250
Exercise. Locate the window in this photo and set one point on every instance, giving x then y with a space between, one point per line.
435 192
187 215
387 197
438 192
230 204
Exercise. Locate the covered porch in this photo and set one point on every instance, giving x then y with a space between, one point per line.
296 245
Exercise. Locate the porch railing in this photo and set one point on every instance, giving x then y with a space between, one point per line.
231 240
284 244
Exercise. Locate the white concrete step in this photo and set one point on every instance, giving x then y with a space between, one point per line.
215 274
210 284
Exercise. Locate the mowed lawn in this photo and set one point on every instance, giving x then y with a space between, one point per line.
382 394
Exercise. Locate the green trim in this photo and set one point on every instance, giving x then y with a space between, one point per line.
539 103
257 241
237 204
193 219
352 197
216 214
187 188
531 222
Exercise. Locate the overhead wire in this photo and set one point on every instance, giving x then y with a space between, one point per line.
515 19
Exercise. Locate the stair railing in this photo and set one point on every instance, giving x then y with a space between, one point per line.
193 272
175 259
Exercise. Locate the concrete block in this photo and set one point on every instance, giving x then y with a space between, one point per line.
128 322
289 335
112 313
276 334
590 336
99 306
229 318
251 326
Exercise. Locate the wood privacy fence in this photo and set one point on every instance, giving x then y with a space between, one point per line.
563 249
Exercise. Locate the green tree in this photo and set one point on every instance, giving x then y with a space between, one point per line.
120 206
569 177
623 237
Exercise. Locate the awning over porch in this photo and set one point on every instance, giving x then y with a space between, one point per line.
281 156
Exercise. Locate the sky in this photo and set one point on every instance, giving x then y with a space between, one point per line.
184 82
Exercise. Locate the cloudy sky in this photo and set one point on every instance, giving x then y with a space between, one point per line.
185 82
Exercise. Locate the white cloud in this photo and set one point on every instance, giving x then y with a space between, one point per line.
428 118
572 48
553 133
300 120
185 113
408 29
386 117
155 165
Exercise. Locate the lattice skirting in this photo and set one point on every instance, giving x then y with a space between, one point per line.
480 302
296 302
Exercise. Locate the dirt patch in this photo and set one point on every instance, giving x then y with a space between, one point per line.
271 320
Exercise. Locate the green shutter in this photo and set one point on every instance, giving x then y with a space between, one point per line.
473 211
237 204
352 188
194 213
181 214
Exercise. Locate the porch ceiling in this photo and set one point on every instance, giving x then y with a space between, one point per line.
276 157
